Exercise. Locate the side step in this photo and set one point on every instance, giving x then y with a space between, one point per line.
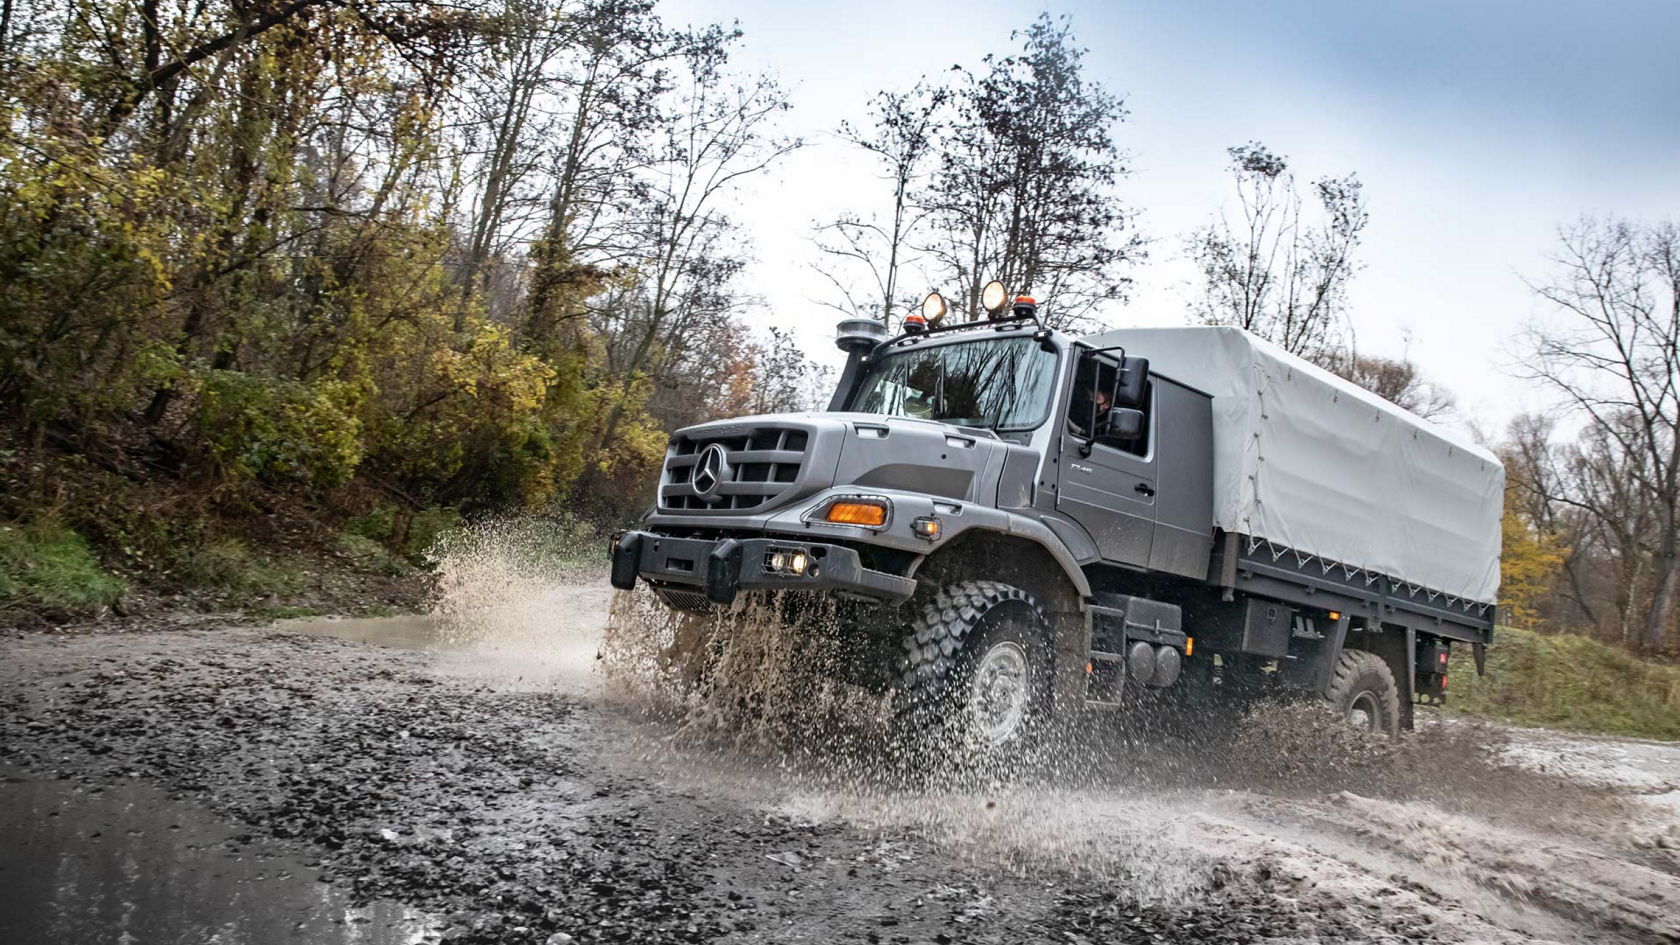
1105 679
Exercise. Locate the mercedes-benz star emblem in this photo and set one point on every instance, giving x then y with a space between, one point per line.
710 471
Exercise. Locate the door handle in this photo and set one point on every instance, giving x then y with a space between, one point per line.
1144 489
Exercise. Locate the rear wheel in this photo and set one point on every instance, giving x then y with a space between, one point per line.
1363 692
974 672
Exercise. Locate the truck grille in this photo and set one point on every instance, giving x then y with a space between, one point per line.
747 471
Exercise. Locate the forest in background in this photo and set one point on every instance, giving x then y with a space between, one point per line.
273 268
290 286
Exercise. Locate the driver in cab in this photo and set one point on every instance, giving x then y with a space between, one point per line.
1104 403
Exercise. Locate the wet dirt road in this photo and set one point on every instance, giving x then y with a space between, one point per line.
382 781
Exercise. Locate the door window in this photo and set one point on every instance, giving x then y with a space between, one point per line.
1092 402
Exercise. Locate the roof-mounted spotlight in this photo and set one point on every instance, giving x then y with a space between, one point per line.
934 309
993 298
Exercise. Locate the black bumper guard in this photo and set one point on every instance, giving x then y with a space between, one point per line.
726 566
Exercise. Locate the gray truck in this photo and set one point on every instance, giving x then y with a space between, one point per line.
1023 524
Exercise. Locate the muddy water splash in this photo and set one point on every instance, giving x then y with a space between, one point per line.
521 602
761 675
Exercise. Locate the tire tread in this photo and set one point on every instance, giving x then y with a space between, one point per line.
935 641
1354 665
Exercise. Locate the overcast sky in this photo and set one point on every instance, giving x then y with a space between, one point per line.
1476 126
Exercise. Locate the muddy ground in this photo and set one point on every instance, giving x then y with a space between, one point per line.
401 780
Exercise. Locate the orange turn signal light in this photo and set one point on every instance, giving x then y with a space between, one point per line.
1189 645
854 512
1335 615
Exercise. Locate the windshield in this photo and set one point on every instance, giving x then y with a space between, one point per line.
999 383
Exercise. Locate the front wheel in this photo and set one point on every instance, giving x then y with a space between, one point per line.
974 674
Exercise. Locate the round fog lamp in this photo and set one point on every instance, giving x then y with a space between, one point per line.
993 297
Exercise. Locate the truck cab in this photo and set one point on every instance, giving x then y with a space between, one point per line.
1024 523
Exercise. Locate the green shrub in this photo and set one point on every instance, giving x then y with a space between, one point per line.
226 565
1568 681
427 529
276 431
375 523
424 529
46 565
369 555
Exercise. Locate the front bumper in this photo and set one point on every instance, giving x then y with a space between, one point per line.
723 567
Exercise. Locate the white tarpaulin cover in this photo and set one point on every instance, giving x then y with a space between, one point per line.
1314 463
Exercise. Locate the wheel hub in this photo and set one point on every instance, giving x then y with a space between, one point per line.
997 702
1362 712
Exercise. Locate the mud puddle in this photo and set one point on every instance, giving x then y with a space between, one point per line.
513 638
126 863
405 632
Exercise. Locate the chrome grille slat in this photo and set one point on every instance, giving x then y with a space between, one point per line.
765 456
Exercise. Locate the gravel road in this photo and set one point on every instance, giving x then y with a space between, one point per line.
396 781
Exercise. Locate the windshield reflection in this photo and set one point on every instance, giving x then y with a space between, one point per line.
998 383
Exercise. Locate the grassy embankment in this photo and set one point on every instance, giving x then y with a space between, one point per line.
1568 682
46 566
51 573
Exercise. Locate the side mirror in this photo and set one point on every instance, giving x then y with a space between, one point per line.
1134 376
1125 424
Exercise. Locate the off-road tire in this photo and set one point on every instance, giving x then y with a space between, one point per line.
1363 680
938 656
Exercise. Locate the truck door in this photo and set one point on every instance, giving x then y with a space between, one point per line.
1110 490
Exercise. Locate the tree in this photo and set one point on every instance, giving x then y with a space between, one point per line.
1025 188
1611 350
906 125
618 96
784 378
1531 554
720 135
1274 273
422 252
